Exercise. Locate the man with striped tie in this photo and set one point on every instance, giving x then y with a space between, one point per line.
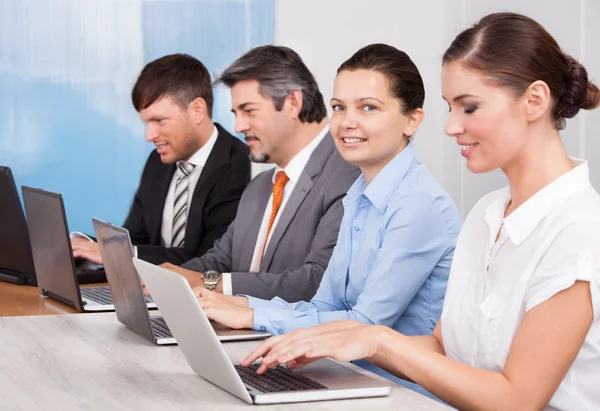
289 217
192 182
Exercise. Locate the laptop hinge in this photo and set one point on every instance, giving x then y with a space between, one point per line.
59 298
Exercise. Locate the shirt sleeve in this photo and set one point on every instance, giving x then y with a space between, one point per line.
278 316
226 279
573 256
414 239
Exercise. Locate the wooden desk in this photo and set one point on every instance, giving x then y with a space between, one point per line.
16 300
92 362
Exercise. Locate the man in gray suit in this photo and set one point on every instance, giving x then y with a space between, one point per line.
288 218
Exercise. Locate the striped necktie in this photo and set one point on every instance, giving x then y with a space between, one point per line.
180 205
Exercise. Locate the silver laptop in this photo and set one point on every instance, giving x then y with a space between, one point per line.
53 256
322 380
117 253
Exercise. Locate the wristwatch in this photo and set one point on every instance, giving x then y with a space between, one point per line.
211 279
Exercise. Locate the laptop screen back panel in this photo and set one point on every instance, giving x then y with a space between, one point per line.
52 254
127 295
15 249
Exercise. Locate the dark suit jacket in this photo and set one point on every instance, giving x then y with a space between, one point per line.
303 239
214 202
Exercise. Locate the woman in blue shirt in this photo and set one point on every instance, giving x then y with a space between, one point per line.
396 241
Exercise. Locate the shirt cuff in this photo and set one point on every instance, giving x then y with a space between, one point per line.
135 251
254 302
227 287
261 320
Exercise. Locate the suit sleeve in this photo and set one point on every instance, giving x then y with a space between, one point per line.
218 257
302 283
219 211
222 207
134 222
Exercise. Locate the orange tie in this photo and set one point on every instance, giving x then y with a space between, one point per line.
281 180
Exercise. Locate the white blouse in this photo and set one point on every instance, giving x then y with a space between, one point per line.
545 245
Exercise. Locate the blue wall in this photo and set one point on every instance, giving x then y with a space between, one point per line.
66 72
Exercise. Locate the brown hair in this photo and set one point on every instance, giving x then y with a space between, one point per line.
404 79
278 70
178 76
514 51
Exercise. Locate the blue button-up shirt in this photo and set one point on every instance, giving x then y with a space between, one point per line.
391 262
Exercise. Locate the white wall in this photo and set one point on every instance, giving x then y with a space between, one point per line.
327 32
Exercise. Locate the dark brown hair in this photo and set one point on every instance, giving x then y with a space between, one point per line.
403 77
178 76
514 51
278 70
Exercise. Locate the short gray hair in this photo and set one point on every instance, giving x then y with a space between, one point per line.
278 70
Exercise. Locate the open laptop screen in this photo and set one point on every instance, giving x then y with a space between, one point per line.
16 260
51 246
128 297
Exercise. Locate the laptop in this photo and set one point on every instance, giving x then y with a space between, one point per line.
16 260
52 254
128 297
322 380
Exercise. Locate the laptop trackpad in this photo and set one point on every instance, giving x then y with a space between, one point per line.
337 376
225 333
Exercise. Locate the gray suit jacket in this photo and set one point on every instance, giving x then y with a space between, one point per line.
303 239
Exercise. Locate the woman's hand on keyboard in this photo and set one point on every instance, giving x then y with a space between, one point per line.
341 340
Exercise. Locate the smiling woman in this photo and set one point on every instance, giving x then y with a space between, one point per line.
377 106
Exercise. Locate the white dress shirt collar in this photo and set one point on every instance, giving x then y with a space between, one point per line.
523 221
296 165
199 157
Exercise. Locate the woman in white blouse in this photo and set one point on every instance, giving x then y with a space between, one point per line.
520 327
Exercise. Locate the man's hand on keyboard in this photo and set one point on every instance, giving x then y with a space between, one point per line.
83 248
194 278
225 312
144 288
213 295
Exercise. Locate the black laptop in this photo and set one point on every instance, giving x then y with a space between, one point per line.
16 260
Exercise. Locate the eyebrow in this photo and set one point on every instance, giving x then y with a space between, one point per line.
359 100
155 118
459 98
242 106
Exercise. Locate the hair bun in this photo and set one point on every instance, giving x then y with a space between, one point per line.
579 92
574 95
592 99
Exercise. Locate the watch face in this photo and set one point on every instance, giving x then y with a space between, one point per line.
212 275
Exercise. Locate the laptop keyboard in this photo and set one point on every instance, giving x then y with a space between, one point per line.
100 295
159 327
278 379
